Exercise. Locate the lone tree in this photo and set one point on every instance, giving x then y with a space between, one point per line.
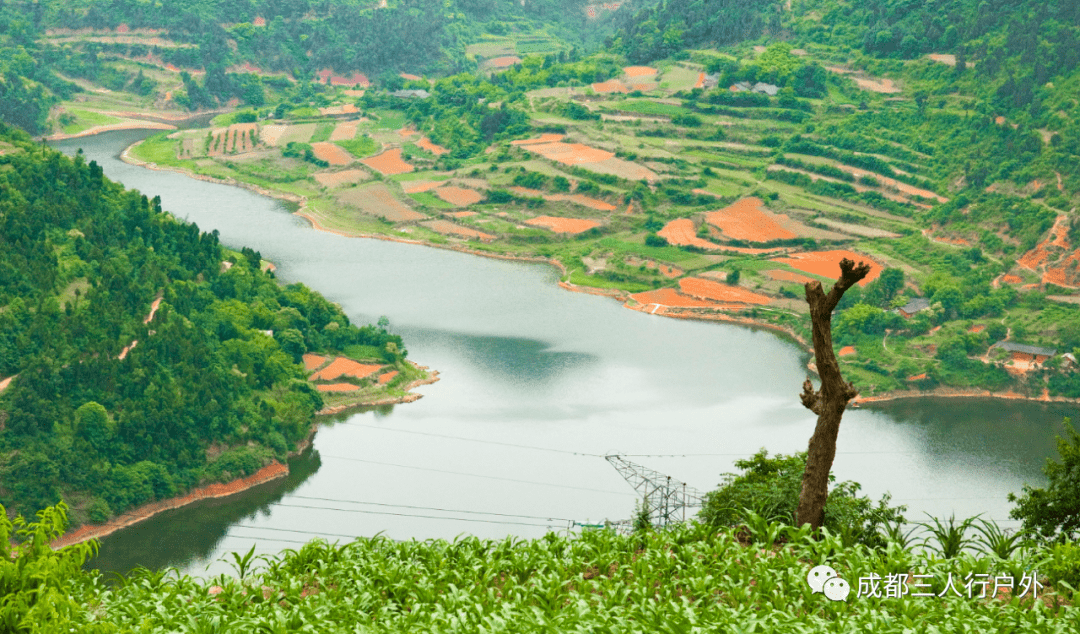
828 402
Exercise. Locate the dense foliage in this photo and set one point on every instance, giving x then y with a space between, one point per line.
211 390
1053 512
769 488
690 578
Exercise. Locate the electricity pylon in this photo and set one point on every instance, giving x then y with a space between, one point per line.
664 499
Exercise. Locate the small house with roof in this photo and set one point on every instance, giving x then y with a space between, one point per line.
914 306
1023 353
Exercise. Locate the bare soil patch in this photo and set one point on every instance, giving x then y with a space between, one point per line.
446 227
671 297
331 153
300 133
313 361
977 328
943 58
584 201
866 82
610 86
681 232
389 162
506 61
271 134
715 291
745 220
346 130
425 144
337 179
459 196
377 200
563 225
570 153
461 214
846 351
387 377
827 263
640 71
622 169
337 387
1009 278
342 366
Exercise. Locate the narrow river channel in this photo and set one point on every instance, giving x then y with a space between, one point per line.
541 375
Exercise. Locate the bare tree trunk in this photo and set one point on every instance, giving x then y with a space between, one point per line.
828 402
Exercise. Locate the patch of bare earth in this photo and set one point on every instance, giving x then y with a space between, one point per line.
388 162
331 153
377 200
459 196
337 179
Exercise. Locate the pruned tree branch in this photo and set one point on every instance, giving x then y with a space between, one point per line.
828 402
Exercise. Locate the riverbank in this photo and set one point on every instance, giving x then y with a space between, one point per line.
953 392
620 295
432 376
269 473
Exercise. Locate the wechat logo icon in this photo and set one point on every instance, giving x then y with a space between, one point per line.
823 579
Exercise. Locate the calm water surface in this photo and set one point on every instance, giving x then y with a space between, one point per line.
538 373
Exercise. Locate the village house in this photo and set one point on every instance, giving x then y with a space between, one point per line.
1023 354
916 305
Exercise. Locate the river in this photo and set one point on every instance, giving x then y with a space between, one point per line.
533 376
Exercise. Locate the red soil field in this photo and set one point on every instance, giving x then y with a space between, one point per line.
354 93
646 87
787 276
259 21
612 85
562 225
389 162
345 367
461 214
639 71
744 220
409 77
386 378
1034 257
669 271
708 289
827 263
446 227
977 328
343 80
917 377
415 187
671 297
570 153
681 232
337 387
406 132
336 179
505 61
543 138
331 153
1012 279
525 191
425 144
459 196
700 83
847 351
312 361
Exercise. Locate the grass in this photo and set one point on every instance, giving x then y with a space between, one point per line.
428 199
323 132
85 119
359 352
361 146
645 106
159 149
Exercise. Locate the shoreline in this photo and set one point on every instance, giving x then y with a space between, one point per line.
433 377
620 295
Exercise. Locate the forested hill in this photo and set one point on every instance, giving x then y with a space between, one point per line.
211 391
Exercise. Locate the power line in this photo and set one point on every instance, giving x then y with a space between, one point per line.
431 508
486 442
475 475
430 517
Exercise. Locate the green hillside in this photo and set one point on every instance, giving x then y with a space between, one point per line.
145 359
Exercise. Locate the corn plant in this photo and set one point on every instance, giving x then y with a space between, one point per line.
951 537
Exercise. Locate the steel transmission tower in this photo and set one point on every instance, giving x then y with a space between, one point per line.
666 500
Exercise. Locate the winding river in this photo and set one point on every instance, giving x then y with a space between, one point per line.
538 384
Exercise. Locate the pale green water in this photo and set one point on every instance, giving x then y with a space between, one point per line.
526 363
